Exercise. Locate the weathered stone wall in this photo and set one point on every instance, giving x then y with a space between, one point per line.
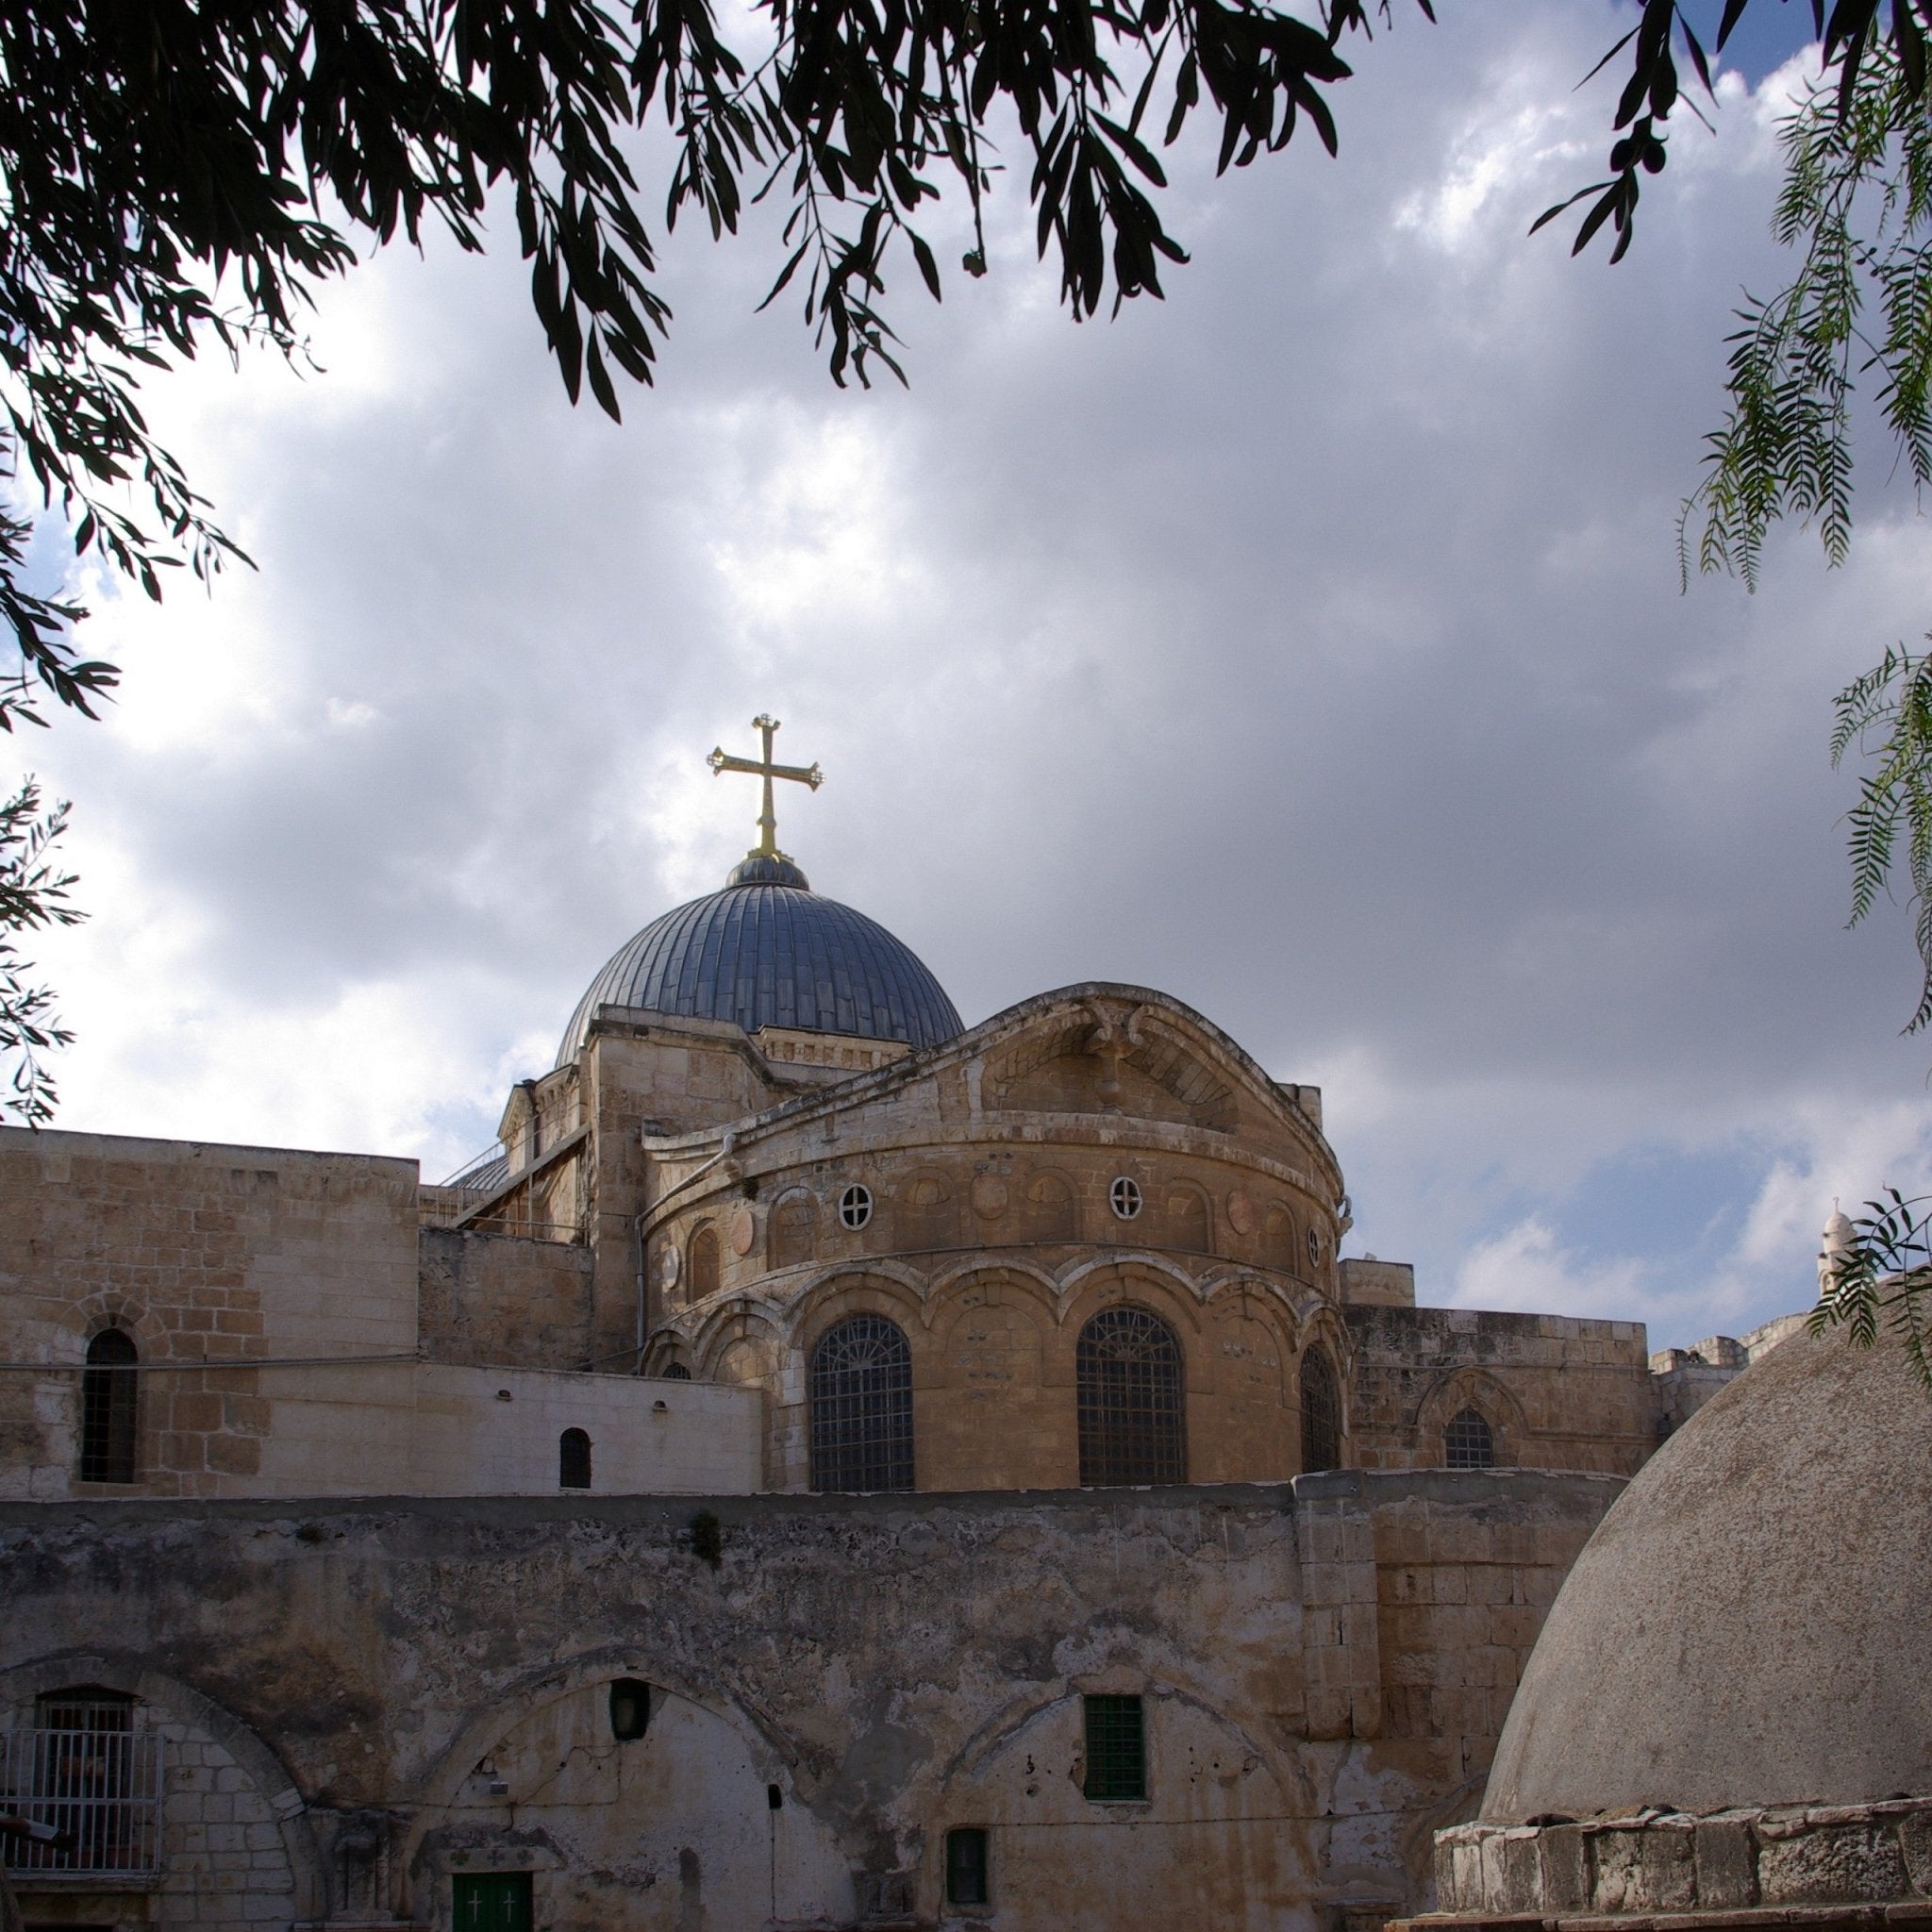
1559 1391
433 1678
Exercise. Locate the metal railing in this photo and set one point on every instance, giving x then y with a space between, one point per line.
100 1790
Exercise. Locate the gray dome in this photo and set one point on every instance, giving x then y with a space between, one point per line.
767 951
1749 1623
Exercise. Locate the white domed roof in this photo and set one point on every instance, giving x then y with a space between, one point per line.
1751 1622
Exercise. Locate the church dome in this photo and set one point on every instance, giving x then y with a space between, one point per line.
767 951
1748 1624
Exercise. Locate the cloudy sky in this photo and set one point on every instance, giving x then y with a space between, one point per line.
1308 645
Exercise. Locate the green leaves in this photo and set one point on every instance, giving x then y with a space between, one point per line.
1885 1272
1893 701
33 895
1856 200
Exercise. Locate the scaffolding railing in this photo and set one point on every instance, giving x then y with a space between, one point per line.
100 1790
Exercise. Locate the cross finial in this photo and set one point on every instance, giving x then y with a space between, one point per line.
721 761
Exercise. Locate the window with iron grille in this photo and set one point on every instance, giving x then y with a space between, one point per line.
573 1461
860 1404
677 1372
1467 1442
1132 1430
966 1862
91 1774
1321 1413
109 1408
1116 1748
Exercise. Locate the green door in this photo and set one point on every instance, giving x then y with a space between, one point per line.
492 1902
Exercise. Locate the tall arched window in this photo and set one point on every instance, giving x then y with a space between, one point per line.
702 1263
1132 1425
1321 1413
573 1461
109 1408
794 1230
860 1404
1468 1443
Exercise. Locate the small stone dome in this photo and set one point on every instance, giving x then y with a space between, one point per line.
767 951
1749 1623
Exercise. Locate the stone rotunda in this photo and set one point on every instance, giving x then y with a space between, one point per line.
1727 1719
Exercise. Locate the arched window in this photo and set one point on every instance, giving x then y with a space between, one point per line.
1282 1248
109 1408
677 1372
1468 1443
1132 1426
861 1403
702 1263
573 1461
927 1218
1321 1413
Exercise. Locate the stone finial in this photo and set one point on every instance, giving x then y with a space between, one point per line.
1839 1238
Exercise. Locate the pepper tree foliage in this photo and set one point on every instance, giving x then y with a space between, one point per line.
1884 1272
33 894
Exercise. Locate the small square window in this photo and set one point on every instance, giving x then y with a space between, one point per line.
1116 1748
966 1876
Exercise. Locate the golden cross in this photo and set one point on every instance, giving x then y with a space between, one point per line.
721 761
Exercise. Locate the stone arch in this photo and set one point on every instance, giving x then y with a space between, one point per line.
896 1291
1189 1217
1168 1290
868 1292
1048 1209
1323 1406
1281 1241
793 1230
925 1213
1469 1388
548 1735
742 1320
179 1704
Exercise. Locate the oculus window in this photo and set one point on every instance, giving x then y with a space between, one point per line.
855 1206
860 1397
1127 1368
1123 1197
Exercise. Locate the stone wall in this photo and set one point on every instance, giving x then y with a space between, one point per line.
853 1678
1557 1391
492 1298
202 1254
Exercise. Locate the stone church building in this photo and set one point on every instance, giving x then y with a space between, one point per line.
830 1466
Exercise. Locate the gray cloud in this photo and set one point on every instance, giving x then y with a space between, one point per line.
1308 645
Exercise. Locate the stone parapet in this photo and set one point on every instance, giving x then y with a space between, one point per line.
1749 1865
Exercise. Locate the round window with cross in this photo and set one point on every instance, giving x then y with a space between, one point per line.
855 1206
1123 1197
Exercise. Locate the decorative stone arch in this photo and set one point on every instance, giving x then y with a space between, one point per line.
1188 1215
1294 1792
1281 1240
855 1290
1252 1297
1049 1205
775 1756
1473 1389
792 1229
109 1308
173 1700
667 1352
744 1318
925 1207
983 1285
704 1260
1168 1288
